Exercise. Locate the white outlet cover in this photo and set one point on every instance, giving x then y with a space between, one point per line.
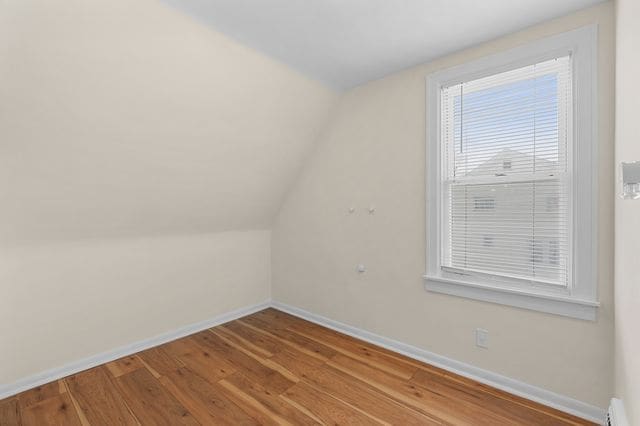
630 176
482 338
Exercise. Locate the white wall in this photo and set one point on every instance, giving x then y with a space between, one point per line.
141 155
373 153
627 282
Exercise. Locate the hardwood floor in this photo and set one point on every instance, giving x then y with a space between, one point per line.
271 368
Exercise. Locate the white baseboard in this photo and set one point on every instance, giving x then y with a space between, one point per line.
516 387
95 360
617 415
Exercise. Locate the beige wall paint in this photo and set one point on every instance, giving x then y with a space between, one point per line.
130 118
627 282
133 140
373 153
64 302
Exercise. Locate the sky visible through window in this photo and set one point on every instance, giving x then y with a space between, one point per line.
517 119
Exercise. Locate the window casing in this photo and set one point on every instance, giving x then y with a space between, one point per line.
512 177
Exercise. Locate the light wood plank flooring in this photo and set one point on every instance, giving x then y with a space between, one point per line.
271 368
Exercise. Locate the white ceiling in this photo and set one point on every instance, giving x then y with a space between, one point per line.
345 43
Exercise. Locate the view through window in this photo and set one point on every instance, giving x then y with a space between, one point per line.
505 163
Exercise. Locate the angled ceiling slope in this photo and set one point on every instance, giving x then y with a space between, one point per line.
347 42
121 118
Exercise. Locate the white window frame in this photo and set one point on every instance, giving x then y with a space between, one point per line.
579 300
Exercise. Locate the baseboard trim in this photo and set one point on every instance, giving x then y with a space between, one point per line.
617 415
516 387
95 360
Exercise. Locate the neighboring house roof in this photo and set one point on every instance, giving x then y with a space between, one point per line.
510 159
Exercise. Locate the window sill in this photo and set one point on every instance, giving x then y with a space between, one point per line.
558 305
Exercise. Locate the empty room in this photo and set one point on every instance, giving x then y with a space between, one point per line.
282 212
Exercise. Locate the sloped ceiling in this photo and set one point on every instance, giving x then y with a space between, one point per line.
348 42
128 117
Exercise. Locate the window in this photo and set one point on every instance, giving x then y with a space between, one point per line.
524 115
512 177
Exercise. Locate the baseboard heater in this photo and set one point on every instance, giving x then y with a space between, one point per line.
615 414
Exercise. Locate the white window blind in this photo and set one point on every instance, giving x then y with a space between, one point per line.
506 186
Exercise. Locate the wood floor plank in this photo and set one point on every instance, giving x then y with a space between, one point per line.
457 391
366 398
159 362
267 377
240 341
206 401
422 399
254 408
278 318
124 365
266 361
288 337
261 340
298 346
98 398
324 407
264 400
355 348
150 402
296 362
54 411
514 401
10 412
200 359
39 394
364 353
331 337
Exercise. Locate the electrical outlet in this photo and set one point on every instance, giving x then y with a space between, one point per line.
482 338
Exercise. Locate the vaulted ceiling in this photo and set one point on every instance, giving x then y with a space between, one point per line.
123 118
348 42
